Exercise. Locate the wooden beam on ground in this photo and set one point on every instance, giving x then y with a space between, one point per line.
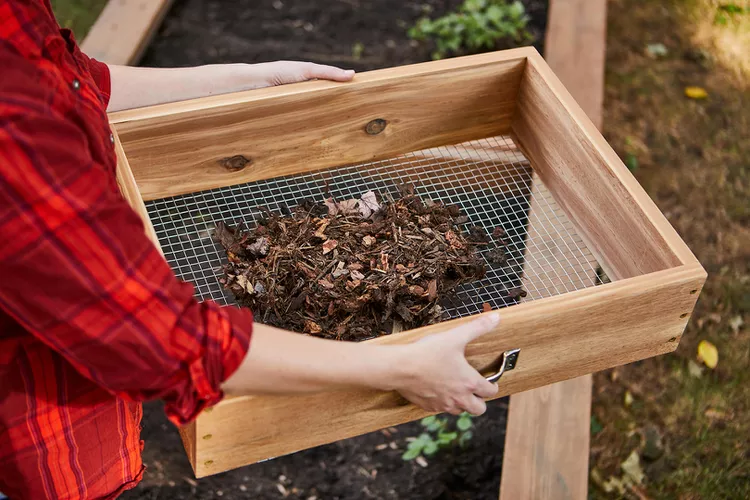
547 438
123 30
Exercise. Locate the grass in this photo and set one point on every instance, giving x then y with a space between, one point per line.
77 15
693 160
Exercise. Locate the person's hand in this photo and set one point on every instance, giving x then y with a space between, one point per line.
439 377
138 87
283 72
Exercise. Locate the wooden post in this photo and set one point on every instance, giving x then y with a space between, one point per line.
547 438
123 30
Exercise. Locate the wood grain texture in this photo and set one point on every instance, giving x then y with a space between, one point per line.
614 215
560 338
123 29
546 448
315 125
129 190
548 431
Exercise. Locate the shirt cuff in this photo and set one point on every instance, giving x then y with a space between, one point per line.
223 354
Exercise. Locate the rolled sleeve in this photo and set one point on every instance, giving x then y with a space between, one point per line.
79 273
216 364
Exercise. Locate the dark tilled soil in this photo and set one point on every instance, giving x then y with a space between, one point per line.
216 31
211 31
350 469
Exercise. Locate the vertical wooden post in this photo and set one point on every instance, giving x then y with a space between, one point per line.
547 438
123 30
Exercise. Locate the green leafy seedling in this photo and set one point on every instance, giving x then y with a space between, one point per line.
464 422
464 439
478 25
438 436
422 444
434 423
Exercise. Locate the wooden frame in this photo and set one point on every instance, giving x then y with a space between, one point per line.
194 145
548 432
123 30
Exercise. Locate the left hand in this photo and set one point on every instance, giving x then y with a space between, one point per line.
138 87
283 72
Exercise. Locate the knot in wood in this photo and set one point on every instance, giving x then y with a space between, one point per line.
234 163
375 126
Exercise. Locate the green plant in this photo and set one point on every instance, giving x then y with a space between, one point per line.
725 12
478 25
437 436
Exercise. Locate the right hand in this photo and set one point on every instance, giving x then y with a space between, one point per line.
440 379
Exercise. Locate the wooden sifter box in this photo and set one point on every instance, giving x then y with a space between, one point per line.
497 134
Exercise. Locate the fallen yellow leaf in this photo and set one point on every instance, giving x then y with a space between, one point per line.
708 354
628 398
696 92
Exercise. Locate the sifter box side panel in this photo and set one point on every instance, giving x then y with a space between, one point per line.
560 338
203 144
614 215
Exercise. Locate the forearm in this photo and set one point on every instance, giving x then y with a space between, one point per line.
281 362
139 87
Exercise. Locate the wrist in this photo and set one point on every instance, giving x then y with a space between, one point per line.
393 368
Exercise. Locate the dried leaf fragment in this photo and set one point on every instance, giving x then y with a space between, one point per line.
368 241
696 92
320 233
632 468
312 327
628 398
260 247
432 290
329 245
352 284
694 369
454 240
708 354
656 50
326 284
368 204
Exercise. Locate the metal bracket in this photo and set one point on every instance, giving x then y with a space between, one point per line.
508 361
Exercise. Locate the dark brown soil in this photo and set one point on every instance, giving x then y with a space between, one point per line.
352 469
211 31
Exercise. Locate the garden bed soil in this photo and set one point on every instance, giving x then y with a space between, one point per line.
357 34
206 31
354 469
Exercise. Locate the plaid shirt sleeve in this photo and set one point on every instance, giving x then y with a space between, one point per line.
78 272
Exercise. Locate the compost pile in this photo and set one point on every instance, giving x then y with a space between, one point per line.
354 269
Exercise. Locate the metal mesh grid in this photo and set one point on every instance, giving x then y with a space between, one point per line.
489 179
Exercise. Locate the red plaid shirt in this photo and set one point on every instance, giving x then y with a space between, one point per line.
92 320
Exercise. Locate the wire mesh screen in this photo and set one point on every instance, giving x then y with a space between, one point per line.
489 179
